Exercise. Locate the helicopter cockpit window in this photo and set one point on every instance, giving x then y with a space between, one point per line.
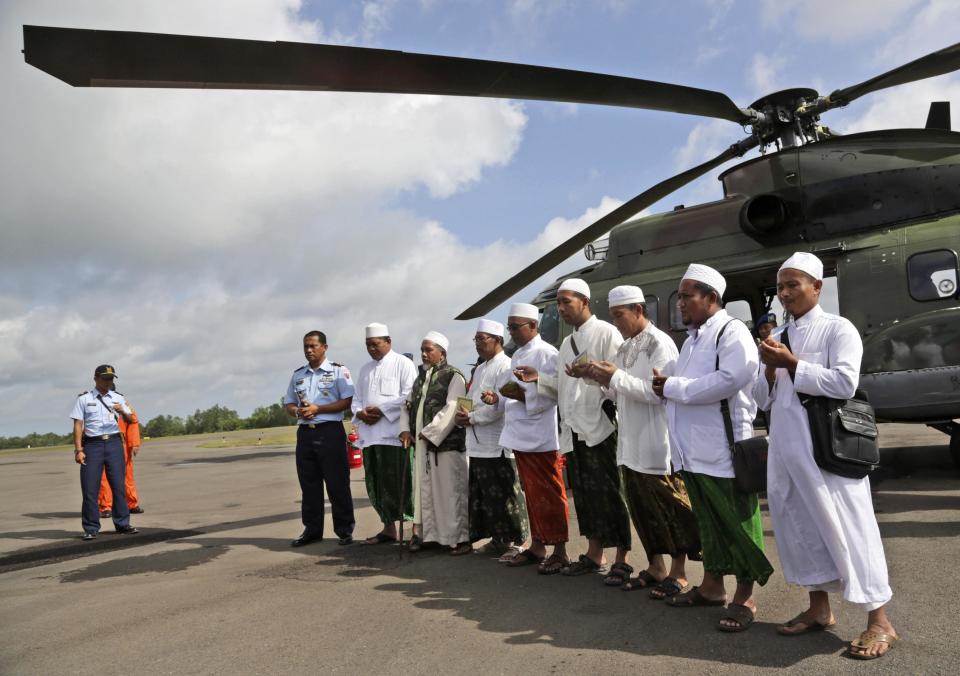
676 321
653 309
932 275
740 309
550 324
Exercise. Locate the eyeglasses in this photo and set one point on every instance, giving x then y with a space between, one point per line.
482 339
514 327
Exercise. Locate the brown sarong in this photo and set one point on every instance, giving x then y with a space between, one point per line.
661 514
546 496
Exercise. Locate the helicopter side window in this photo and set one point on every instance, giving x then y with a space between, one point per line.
550 324
932 275
740 309
676 321
653 308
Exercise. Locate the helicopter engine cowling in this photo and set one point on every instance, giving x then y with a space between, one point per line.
766 215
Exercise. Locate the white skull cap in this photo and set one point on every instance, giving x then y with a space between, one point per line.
805 262
575 285
624 295
438 338
704 273
525 310
491 327
377 331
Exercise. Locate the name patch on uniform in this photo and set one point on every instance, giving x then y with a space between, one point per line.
326 378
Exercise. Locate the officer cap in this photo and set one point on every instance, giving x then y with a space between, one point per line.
104 370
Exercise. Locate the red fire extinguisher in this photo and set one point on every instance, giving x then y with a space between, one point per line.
354 454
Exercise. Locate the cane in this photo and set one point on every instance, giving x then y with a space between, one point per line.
403 487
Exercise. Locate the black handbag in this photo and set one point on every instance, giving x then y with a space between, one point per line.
749 455
843 431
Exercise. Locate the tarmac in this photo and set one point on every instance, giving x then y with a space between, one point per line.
212 586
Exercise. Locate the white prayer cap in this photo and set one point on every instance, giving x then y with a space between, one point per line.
805 262
575 285
491 327
377 330
438 339
707 275
525 310
625 295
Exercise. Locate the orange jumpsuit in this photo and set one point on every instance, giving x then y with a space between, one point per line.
130 433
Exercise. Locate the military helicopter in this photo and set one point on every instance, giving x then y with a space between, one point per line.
880 208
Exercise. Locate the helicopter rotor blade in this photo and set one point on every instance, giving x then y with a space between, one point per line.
936 63
99 58
599 228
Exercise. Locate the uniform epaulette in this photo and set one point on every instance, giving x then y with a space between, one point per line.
338 365
81 394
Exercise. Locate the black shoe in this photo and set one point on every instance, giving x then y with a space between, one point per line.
345 540
106 514
306 538
127 530
136 510
89 535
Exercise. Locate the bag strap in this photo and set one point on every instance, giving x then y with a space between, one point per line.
110 410
573 344
724 404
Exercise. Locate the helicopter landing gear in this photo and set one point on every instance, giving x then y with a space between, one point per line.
953 430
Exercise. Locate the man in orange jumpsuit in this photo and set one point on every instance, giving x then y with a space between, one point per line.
130 433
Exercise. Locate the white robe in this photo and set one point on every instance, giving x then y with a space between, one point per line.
826 531
440 480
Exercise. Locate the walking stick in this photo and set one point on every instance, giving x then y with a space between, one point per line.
403 487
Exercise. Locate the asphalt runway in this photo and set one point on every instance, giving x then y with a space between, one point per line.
211 585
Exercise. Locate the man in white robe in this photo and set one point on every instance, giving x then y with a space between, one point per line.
826 531
440 487
588 437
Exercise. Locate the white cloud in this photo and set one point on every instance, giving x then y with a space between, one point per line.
764 73
836 21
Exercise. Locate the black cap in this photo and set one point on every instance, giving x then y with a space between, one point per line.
104 370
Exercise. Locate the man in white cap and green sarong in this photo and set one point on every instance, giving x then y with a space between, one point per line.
440 484
588 435
827 534
716 370
497 508
655 494
381 389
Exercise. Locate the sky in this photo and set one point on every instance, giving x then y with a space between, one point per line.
190 238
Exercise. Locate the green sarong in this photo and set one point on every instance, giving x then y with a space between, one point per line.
597 493
497 507
382 467
730 528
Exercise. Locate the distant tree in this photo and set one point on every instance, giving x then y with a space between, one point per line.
164 426
215 419
274 415
35 440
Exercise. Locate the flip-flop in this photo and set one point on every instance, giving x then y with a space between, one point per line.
808 626
867 640
553 564
641 581
416 544
582 566
666 588
740 614
524 558
619 575
379 539
461 549
692 598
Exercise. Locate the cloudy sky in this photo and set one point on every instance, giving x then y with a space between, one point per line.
190 238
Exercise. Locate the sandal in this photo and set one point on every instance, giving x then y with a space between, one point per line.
667 587
867 640
508 555
618 575
738 613
641 581
379 539
582 566
461 549
553 564
809 625
416 544
689 599
524 558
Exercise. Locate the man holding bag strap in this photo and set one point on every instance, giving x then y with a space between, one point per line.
827 534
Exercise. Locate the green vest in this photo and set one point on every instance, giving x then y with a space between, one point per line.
435 400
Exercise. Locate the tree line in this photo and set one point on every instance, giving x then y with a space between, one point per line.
214 419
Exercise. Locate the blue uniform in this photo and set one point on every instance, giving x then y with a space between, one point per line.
103 447
322 447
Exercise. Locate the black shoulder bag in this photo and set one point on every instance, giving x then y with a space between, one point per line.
843 431
749 455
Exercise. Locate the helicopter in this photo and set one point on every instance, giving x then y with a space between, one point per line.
880 208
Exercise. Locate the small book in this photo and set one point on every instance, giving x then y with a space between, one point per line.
582 359
511 388
465 403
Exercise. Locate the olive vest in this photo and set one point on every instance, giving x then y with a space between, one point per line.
435 400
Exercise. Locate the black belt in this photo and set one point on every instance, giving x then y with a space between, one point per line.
313 426
101 437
